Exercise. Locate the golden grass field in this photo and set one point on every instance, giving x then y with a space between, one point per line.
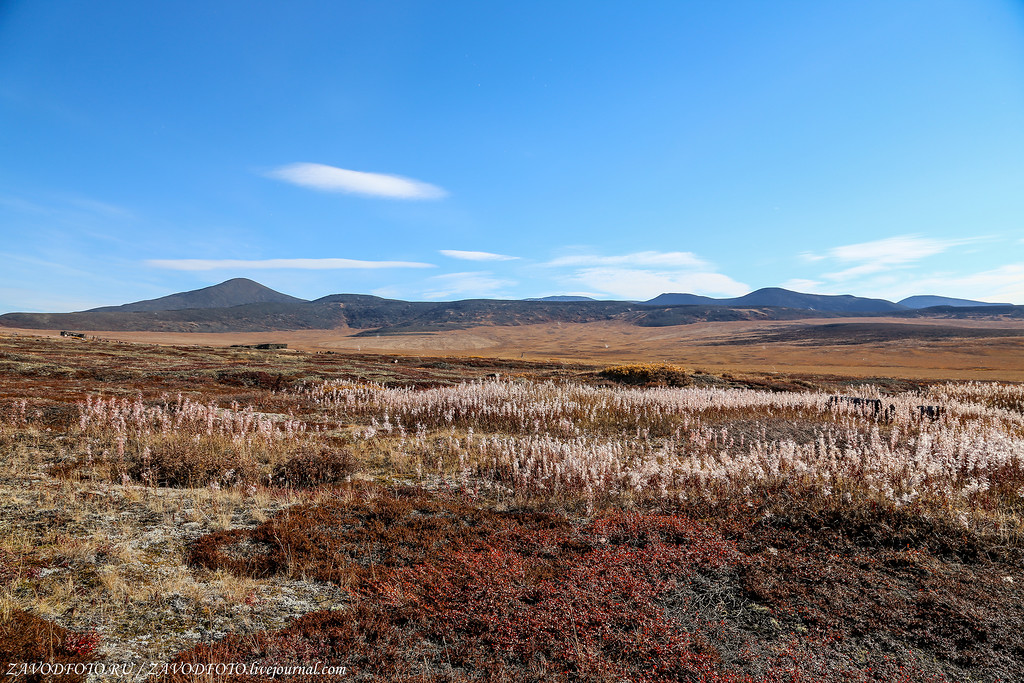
711 346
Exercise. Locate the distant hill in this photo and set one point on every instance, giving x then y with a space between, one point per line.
682 300
927 301
784 298
237 292
841 303
372 314
229 307
561 298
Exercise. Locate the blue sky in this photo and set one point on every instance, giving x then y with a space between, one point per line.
446 150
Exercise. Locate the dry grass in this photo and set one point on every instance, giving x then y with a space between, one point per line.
719 346
214 504
112 558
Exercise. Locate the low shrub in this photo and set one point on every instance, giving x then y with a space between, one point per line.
253 378
648 374
315 468
444 589
442 585
185 463
28 639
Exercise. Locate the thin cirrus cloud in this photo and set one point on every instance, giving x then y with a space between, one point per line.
475 284
66 208
674 259
332 179
1002 284
642 275
900 249
282 264
476 255
868 258
803 285
642 284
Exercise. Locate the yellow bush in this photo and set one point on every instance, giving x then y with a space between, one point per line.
662 374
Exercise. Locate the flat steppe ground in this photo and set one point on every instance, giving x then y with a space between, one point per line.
497 504
926 348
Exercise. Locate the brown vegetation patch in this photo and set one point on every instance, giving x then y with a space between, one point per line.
28 639
254 378
349 540
648 374
845 334
886 580
448 590
317 468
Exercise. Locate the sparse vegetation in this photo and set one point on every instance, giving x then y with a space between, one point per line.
419 520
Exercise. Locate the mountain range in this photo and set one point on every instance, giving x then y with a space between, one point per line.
242 305
842 303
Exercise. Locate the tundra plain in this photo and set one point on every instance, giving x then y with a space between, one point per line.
534 503
925 348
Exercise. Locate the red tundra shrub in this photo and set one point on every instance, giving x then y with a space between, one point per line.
28 639
445 590
528 595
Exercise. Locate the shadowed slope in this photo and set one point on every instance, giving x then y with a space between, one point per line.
236 292
784 298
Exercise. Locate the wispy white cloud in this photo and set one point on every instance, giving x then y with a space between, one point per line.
66 207
810 256
644 274
900 249
868 258
640 284
388 292
102 208
462 285
476 255
676 259
333 179
24 206
33 301
860 271
282 263
1004 284
802 285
